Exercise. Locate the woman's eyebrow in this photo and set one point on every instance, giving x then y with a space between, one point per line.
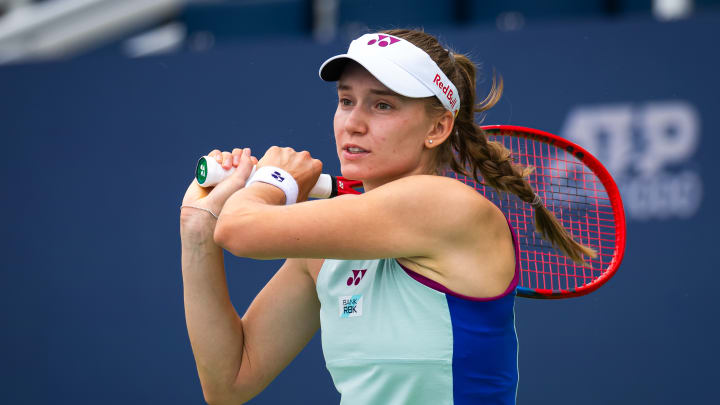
381 92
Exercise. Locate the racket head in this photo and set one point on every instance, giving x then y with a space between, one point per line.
575 187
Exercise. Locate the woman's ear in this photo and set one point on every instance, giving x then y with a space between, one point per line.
441 129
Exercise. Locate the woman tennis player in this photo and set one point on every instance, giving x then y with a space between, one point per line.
412 283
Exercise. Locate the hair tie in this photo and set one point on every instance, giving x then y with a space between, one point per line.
451 56
536 202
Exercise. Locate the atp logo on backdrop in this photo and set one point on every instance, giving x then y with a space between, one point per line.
649 150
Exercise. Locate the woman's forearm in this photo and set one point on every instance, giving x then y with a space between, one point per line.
245 212
215 329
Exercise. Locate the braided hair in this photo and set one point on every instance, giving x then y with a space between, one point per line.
469 152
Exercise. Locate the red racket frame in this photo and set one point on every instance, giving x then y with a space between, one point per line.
613 196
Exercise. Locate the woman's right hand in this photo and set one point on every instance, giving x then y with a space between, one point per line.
213 198
301 166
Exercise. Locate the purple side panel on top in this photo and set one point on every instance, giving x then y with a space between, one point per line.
439 287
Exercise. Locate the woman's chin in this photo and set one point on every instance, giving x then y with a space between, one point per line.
352 176
350 172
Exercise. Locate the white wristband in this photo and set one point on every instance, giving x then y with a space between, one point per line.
278 178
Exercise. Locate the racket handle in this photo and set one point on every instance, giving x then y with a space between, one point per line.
209 173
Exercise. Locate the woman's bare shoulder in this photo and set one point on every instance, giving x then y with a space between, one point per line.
441 191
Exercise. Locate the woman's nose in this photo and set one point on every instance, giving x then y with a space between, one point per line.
356 122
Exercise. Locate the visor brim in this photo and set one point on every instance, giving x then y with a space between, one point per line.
388 73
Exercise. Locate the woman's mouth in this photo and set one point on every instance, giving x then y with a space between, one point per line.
354 152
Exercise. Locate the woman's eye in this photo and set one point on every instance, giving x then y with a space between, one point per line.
384 106
345 101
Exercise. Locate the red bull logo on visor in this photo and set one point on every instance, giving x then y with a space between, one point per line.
447 91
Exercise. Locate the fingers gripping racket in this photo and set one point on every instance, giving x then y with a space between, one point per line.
572 184
209 173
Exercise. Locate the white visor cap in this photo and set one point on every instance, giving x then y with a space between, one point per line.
399 65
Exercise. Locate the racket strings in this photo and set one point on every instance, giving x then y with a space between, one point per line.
575 195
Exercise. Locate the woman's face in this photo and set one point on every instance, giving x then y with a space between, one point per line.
379 134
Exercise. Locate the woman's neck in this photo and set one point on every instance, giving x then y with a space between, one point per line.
371 184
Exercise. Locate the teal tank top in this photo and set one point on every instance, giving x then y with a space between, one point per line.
392 336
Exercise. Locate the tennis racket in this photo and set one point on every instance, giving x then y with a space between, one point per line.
576 187
572 184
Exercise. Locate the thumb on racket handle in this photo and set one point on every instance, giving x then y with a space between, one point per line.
209 173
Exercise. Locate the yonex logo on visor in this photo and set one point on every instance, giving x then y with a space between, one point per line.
398 64
382 40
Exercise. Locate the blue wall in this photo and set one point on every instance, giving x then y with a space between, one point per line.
98 152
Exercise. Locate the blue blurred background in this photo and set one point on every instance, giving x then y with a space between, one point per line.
106 105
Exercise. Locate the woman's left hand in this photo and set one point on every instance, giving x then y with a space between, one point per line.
214 198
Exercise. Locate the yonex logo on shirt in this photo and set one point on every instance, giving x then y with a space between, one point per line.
356 277
350 306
